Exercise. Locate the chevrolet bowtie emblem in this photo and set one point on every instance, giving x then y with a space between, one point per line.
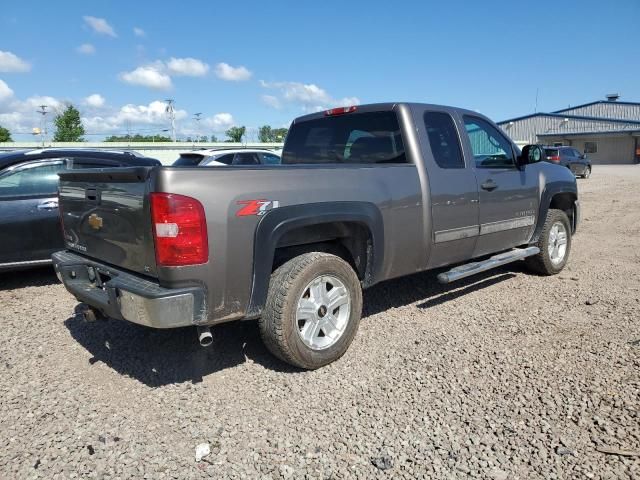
95 221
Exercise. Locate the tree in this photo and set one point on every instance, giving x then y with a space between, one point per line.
203 138
214 139
265 134
137 138
68 126
235 134
5 135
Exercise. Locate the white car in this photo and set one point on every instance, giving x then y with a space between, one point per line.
227 156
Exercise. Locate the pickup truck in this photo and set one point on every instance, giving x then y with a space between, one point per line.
364 194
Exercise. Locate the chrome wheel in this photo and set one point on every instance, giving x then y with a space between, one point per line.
323 312
557 246
587 172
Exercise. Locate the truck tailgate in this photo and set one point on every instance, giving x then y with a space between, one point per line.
105 215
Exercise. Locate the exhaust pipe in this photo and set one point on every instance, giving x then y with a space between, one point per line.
204 336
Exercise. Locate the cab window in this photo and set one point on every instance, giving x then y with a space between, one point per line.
443 139
490 148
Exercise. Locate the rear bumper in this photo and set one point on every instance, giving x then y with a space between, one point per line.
124 296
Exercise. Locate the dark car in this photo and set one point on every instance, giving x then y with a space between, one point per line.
227 156
29 223
571 158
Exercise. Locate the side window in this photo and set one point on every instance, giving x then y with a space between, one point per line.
226 159
270 159
31 181
443 139
246 158
576 153
490 148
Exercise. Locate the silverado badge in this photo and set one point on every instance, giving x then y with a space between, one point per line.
95 221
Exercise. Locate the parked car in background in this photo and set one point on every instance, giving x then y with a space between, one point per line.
226 156
571 158
29 223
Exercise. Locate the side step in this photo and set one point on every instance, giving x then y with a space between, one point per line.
472 268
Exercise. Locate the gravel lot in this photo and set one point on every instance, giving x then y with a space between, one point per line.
503 375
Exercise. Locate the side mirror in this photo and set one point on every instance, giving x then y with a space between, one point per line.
583 156
530 154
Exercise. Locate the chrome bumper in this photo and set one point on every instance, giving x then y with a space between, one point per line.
124 296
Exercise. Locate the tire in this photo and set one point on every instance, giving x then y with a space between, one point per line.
290 317
587 173
545 262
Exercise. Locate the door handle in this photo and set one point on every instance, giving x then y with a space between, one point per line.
489 185
51 205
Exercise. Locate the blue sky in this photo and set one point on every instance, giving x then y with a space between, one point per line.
254 63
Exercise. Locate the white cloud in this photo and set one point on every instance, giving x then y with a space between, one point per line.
100 25
232 74
150 76
95 100
5 91
191 67
219 121
271 101
86 49
309 96
10 62
138 32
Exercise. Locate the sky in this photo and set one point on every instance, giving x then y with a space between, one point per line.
264 63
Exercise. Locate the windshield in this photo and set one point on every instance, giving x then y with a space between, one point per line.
372 137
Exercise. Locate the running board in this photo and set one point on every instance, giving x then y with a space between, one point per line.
469 269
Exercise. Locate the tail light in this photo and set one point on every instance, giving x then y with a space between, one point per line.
339 111
554 159
179 230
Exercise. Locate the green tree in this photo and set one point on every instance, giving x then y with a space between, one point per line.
214 139
279 134
5 135
265 134
203 138
235 134
68 126
137 138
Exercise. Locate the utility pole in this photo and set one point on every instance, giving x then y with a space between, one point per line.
196 117
172 117
43 122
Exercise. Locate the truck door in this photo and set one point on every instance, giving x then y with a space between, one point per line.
508 196
452 183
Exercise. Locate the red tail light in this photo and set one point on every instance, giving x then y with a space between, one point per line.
179 230
339 111
554 159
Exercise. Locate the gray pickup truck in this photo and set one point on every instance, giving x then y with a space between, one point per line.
364 194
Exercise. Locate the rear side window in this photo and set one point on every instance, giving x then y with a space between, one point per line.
443 139
188 160
226 159
551 152
270 159
246 158
372 137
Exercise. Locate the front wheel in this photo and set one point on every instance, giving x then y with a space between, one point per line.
587 172
313 310
554 244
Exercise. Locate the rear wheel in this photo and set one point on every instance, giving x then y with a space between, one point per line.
554 244
313 310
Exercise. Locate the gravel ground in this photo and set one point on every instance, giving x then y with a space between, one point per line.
503 375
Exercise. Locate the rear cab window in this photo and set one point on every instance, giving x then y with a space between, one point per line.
352 138
189 160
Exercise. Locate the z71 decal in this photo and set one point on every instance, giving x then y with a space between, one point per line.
256 207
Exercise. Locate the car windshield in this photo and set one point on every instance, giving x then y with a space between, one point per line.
188 160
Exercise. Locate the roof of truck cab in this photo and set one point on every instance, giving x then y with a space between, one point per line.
385 106
125 157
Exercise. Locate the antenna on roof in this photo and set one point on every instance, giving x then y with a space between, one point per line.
613 97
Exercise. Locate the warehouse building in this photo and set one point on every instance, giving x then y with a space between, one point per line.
608 131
